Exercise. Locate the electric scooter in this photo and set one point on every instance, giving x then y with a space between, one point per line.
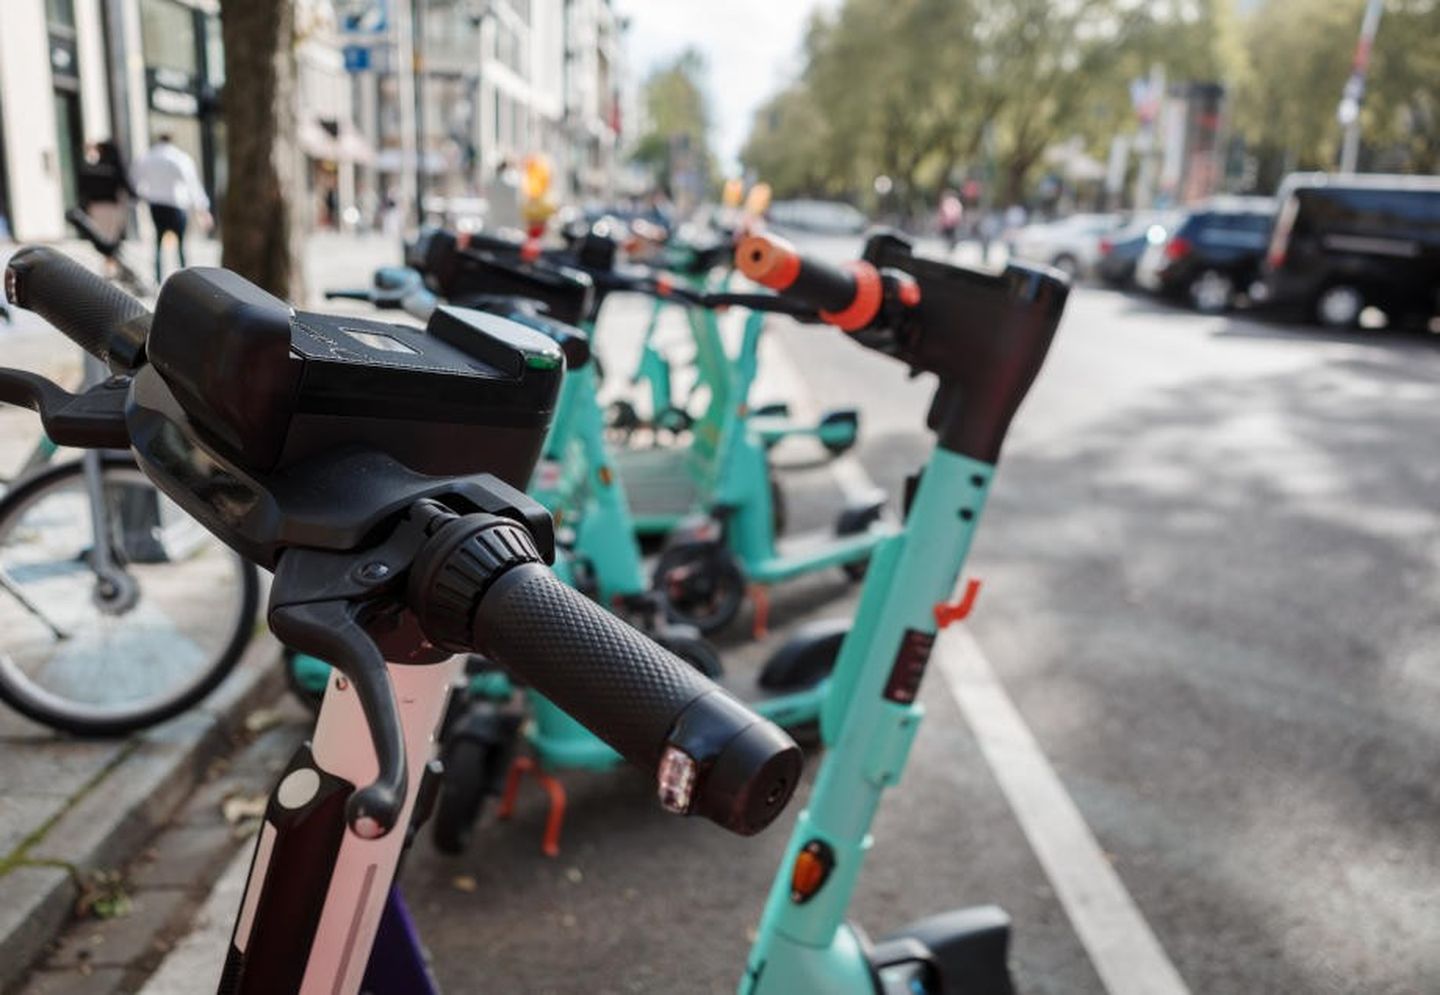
730 551
836 431
397 539
600 556
984 336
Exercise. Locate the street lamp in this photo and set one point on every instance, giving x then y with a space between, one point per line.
1348 113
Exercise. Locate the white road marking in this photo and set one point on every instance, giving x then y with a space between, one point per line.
1122 947
1124 950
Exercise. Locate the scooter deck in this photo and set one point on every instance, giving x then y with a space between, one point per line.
806 553
659 486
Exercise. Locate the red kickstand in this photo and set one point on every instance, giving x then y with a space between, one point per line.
518 769
554 819
760 597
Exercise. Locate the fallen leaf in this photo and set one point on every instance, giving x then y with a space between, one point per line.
263 718
465 883
237 808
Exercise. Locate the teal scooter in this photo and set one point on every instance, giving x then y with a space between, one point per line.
730 550
598 554
670 484
984 336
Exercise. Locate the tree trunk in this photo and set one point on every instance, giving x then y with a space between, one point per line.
259 230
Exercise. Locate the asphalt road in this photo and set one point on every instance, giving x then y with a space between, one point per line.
1210 588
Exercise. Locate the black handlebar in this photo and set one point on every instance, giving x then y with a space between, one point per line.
711 755
96 315
474 581
478 585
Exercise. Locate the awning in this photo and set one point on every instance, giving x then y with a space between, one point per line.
333 142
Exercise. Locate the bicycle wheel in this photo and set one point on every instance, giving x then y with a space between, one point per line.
101 656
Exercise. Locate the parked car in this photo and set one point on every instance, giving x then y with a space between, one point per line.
1122 248
827 217
1345 243
1212 255
1071 245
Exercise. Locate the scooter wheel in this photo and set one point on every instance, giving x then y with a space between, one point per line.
779 514
700 584
855 571
462 795
622 417
694 651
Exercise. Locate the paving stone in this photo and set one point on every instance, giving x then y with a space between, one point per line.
16 728
182 856
115 818
120 941
34 903
101 981
21 815
55 767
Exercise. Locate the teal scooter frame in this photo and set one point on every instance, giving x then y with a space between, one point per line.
671 484
837 431
729 551
985 336
599 554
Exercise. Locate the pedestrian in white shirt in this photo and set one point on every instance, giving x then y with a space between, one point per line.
166 179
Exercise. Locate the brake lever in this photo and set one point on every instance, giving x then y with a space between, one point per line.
344 608
92 419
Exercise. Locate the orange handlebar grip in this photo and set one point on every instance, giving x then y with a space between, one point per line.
769 261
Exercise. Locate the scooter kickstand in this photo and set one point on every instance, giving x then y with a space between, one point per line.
555 817
760 598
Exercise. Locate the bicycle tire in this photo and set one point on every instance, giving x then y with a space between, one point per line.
86 719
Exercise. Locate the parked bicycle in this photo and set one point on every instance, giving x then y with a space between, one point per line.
117 610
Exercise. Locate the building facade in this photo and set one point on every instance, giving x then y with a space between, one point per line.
435 97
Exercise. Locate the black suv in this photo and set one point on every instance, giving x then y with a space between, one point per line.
1212 255
1345 243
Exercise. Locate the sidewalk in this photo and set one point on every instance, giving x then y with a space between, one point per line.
73 811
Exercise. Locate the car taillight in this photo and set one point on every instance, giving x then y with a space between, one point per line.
1280 237
1177 248
1105 246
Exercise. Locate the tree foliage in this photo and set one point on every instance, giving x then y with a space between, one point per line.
927 91
677 121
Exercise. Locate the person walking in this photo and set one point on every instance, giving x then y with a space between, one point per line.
950 213
105 190
167 180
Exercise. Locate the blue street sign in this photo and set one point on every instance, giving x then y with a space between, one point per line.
357 58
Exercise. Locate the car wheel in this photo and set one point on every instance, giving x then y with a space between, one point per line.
1339 306
1211 292
1067 264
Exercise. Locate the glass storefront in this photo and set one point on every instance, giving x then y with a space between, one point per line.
64 71
184 70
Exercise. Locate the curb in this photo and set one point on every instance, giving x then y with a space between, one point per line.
112 821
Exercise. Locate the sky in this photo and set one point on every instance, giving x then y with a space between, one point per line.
751 48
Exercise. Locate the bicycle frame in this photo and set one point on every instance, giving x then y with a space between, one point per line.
868 723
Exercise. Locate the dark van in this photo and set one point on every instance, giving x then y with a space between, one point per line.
1345 243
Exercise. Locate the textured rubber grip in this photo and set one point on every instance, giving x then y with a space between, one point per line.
710 754
82 305
599 669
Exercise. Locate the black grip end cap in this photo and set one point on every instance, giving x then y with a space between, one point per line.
747 776
752 780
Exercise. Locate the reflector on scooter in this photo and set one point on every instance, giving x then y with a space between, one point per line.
813 865
676 780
